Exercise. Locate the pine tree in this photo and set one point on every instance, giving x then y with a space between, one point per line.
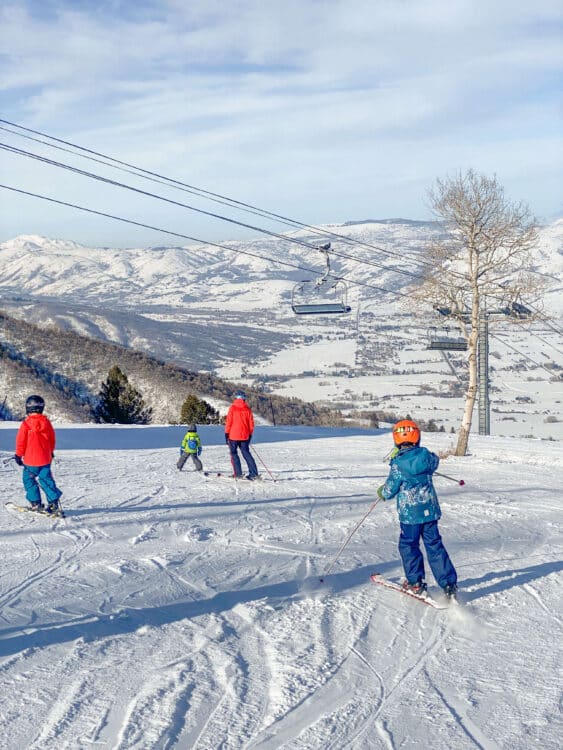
198 411
119 402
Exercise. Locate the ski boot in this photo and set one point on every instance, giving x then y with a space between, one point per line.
54 509
419 588
451 591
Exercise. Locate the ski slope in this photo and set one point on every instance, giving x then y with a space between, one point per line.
171 610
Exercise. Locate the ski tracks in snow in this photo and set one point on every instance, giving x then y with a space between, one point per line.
187 614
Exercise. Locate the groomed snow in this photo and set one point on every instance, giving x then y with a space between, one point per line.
170 610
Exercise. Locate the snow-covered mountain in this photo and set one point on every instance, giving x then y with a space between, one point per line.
228 310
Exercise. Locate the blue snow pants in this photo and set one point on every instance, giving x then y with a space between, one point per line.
438 558
244 446
40 476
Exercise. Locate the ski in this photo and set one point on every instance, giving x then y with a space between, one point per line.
27 509
218 474
424 598
229 477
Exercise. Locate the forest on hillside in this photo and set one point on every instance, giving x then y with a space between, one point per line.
69 368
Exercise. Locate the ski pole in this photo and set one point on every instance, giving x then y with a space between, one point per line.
263 464
452 479
7 460
350 535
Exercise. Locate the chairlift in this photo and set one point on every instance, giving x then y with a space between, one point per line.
441 340
325 296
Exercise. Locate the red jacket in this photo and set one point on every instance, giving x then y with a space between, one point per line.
35 441
240 422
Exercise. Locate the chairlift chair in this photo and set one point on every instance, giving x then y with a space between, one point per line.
442 341
325 296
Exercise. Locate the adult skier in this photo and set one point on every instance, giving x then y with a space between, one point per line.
239 427
410 481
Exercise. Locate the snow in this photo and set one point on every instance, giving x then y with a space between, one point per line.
170 610
376 358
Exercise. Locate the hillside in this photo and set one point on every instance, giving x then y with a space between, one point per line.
68 368
227 311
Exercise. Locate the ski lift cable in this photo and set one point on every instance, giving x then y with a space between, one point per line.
526 356
12 149
237 251
234 250
545 320
545 341
115 183
502 338
153 177
200 192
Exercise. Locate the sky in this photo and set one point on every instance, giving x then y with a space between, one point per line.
320 111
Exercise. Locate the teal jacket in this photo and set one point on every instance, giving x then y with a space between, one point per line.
191 443
410 481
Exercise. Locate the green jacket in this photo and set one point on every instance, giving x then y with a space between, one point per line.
191 443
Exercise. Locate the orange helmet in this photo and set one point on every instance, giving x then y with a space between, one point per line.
406 431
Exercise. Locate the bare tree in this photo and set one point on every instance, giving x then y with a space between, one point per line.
484 256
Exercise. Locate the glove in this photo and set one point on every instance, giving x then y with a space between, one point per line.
394 453
181 451
18 460
227 437
199 451
249 438
380 492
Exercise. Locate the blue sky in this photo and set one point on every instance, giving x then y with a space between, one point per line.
321 110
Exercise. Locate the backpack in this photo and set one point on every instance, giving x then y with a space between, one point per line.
192 444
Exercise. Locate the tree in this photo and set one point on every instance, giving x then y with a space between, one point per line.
485 253
119 402
199 411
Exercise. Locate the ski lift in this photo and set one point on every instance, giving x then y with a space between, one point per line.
325 296
441 340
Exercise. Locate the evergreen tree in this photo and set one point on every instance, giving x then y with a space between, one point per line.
119 402
197 410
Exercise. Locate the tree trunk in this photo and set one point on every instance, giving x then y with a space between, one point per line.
471 395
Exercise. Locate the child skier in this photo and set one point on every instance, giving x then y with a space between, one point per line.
35 449
191 447
410 480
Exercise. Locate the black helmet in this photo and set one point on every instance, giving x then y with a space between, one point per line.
240 394
192 428
34 405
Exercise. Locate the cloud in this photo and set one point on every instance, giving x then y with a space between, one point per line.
237 94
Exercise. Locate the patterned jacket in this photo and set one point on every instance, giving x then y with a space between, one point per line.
410 480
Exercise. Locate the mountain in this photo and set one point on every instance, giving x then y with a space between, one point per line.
227 311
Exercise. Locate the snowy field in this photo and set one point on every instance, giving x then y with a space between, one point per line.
170 610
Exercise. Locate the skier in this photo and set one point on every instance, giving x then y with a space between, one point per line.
239 427
35 449
410 480
191 446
